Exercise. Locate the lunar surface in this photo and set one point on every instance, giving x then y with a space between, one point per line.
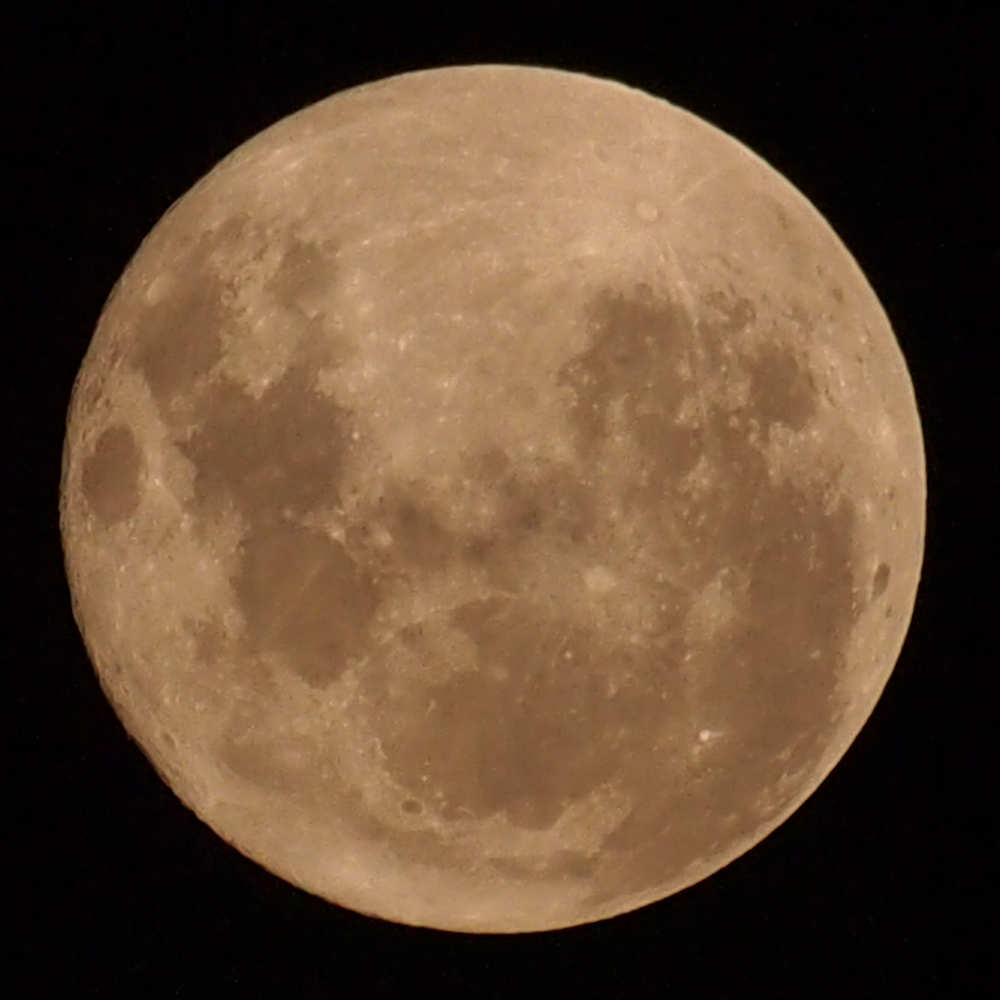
493 498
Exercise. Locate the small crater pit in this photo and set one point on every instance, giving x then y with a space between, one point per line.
880 581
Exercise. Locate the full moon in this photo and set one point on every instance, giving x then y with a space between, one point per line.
493 498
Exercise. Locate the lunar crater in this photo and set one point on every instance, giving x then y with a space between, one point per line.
112 474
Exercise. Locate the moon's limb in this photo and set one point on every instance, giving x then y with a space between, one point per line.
493 498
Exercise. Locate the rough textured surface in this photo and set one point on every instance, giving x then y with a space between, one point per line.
473 524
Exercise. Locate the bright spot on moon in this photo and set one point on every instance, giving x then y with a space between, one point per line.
646 210
493 498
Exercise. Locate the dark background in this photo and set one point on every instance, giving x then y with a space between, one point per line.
878 885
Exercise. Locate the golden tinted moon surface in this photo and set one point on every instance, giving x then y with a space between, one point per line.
493 498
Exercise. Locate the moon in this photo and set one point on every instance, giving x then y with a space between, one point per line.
493 498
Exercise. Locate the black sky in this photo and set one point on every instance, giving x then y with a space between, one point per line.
878 884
